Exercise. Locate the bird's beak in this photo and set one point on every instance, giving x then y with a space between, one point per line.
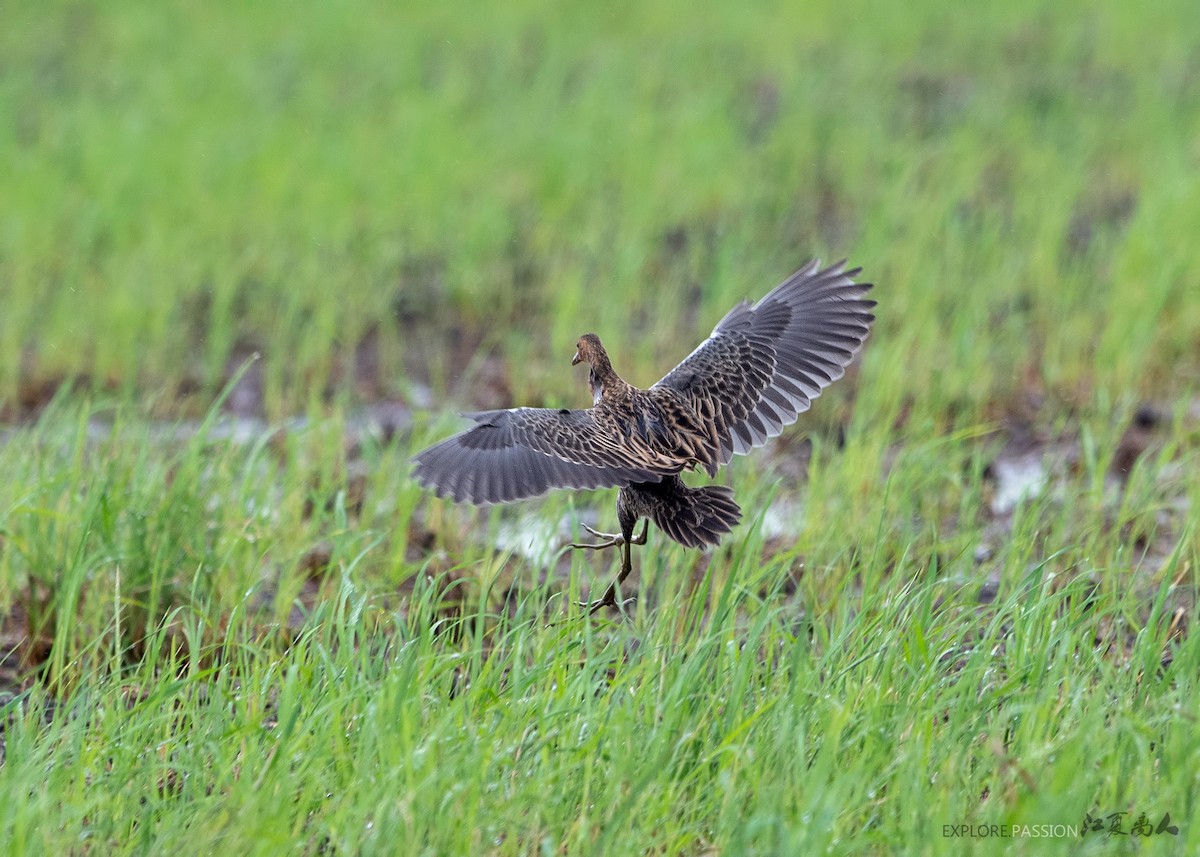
575 360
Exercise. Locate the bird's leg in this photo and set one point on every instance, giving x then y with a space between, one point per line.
626 540
612 540
610 594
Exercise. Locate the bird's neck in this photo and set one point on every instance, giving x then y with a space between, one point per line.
604 382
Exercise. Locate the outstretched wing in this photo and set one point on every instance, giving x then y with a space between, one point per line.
525 452
765 363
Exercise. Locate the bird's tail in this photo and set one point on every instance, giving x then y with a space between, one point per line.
695 517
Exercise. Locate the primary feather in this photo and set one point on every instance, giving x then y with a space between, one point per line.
763 364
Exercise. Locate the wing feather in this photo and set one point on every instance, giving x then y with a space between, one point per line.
525 452
765 362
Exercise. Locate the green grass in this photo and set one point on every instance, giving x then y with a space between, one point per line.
276 643
178 183
870 706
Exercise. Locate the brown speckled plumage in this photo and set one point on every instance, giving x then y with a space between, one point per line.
760 368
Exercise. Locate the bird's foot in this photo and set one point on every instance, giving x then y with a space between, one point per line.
609 600
612 540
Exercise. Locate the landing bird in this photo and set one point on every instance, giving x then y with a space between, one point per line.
760 368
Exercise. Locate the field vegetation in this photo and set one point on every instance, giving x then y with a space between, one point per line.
254 256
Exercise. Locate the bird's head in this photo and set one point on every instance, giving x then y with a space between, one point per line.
589 350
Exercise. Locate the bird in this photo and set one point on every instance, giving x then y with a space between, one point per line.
761 367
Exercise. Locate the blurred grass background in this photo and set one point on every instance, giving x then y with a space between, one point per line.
184 186
420 207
